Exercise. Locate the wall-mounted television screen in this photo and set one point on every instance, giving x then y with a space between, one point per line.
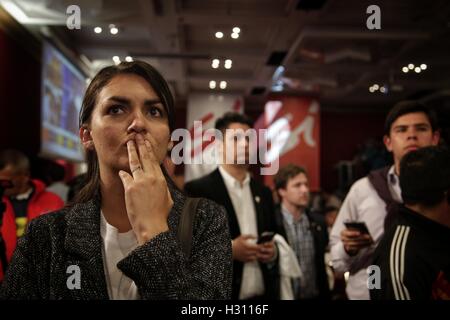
63 87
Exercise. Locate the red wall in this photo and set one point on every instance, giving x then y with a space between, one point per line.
341 133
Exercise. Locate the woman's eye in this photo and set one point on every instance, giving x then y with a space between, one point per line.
155 112
115 110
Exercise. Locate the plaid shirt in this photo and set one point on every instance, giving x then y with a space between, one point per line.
301 240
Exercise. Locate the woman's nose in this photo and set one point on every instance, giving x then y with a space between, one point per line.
137 123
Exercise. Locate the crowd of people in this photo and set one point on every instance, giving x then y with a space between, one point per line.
135 235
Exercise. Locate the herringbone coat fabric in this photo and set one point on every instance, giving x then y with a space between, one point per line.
71 237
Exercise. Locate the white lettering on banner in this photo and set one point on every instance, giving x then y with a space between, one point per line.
74 280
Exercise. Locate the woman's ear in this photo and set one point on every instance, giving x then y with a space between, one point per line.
86 138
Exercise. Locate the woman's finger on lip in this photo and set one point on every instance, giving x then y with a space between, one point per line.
133 158
143 152
151 151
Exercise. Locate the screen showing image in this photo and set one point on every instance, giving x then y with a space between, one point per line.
63 87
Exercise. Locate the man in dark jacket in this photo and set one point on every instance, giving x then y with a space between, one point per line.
249 206
305 231
414 256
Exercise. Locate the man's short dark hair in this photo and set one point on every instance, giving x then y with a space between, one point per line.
425 176
232 117
15 158
285 173
409 106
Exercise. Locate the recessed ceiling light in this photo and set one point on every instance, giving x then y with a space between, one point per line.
236 30
417 70
235 35
116 59
219 35
371 89
128 59
223 84
423 66
113 29
212 84
405 69
410 66
98 30
376 86
383 90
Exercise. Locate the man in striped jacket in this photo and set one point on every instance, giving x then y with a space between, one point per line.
414 255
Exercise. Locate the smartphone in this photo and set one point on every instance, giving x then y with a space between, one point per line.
358 226
265 237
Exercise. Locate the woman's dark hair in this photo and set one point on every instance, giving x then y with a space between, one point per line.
102 78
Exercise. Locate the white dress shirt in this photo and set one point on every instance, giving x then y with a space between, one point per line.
117 246
361 204
242 200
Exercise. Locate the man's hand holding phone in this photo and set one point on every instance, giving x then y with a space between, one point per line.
355 237
266 247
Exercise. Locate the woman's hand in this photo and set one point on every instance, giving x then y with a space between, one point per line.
147 197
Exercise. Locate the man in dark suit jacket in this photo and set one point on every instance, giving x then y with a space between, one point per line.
249 206
305 231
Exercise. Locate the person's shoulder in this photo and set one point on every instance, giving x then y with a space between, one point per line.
48 225
210 209
361 187
199 182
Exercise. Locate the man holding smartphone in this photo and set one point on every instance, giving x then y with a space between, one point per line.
374 199
249 207
305 231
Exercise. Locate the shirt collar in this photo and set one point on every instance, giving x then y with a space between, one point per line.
232 181
25 195
288 216
392 177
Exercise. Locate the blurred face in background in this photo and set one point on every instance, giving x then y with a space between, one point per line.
236 144
296 192
410 132
19 179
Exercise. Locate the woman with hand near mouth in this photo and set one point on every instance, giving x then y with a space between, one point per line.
118 239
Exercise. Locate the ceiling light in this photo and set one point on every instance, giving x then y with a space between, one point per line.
423 66
113 29
212 84
116 59
410 66
376 87
235 35
219 35
371 89
98 30
405 69
223 84
236 30
228 66
383 90
128 59
417 70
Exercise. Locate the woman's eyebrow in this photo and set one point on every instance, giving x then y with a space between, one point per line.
118 99
151 102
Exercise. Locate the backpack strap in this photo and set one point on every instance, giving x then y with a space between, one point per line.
378 179
186 224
